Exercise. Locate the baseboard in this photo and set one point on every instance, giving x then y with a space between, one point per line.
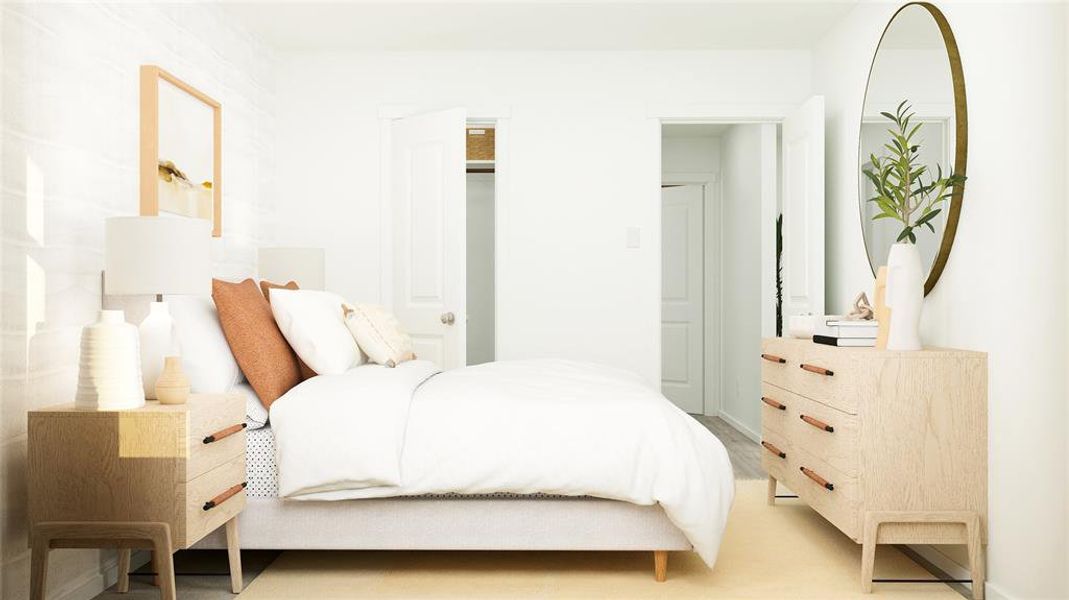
92 584
956 571
737 424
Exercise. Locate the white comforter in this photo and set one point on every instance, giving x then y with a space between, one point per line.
546 426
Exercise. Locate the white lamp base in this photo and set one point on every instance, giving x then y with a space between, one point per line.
158 340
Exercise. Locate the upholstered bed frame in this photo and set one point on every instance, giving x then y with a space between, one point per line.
457 523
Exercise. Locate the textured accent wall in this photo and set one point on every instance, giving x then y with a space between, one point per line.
69 160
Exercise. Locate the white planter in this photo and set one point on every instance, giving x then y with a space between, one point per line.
158 340
109 369
905 296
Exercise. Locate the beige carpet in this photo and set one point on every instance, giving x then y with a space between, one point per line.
786 551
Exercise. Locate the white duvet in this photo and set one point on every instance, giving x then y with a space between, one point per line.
548 426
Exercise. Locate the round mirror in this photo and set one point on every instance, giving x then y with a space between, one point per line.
913 140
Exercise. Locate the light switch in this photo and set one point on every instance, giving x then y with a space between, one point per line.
634 238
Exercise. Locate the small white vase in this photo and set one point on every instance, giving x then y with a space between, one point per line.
109 369
905 296
158 340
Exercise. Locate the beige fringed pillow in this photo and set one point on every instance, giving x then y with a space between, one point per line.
379 334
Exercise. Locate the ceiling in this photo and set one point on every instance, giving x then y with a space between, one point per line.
546 25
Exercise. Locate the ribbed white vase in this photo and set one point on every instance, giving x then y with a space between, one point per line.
109 368
905 296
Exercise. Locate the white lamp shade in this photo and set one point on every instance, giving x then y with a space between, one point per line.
306 266
157 255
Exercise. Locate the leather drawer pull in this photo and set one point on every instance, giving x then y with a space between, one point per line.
221 498
774 358
774 450
222 433
817 478
818 423
818 370
773 403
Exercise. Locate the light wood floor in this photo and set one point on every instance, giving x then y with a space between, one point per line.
745 453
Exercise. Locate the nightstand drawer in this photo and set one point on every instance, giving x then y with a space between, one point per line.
210 500
216 432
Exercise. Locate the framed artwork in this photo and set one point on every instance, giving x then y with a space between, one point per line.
181 150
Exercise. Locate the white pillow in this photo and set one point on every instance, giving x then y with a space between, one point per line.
255 412
379 334
312 323
206 357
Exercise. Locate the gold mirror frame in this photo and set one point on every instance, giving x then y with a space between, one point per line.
961 138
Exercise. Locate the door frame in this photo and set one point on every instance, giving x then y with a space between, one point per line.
500 116
727 114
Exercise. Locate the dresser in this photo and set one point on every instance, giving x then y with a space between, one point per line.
890 447
159 477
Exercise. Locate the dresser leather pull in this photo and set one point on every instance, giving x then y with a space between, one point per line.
818 423
818 370
773 449
817 478
774 358
223 433
228 494
773 403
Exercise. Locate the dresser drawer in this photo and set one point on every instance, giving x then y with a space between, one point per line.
216 433
831 493
775 454
823 431
827 374
223 487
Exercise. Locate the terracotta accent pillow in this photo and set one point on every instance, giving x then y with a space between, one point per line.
262 353
266 287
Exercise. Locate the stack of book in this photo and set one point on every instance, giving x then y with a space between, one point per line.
836 331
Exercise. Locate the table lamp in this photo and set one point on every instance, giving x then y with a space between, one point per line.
157 255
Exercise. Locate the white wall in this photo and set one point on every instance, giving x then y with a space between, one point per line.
70 159
740 259
1009 258
584 167
480 271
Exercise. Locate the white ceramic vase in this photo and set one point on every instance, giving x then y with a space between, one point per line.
905 296
109 368
158 340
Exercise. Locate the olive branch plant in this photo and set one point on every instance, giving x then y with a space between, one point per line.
903 192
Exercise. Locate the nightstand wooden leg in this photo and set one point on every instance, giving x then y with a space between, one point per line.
976 556
161 548
123 585
771 490
868 551
39 567
233 551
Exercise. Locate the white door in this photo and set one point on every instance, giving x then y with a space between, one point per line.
682 281
427 190
803 210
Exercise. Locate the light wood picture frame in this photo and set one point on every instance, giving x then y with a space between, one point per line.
151 76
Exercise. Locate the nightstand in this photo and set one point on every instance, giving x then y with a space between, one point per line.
159 477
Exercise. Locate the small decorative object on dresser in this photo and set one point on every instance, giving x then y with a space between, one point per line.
159 477
173 386
109 368
890 447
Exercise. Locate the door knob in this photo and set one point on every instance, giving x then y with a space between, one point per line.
448 318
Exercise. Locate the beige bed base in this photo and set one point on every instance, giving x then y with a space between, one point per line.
460 523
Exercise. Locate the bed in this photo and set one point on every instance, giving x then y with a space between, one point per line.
451 468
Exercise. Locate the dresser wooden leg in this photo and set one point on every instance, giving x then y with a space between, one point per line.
233 551
771 490
976 556
123 585
660 565
39 567
868 551
161 548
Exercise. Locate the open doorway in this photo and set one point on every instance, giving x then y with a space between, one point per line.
720 182
481 193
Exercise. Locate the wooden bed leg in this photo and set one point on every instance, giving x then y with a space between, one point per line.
660 565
